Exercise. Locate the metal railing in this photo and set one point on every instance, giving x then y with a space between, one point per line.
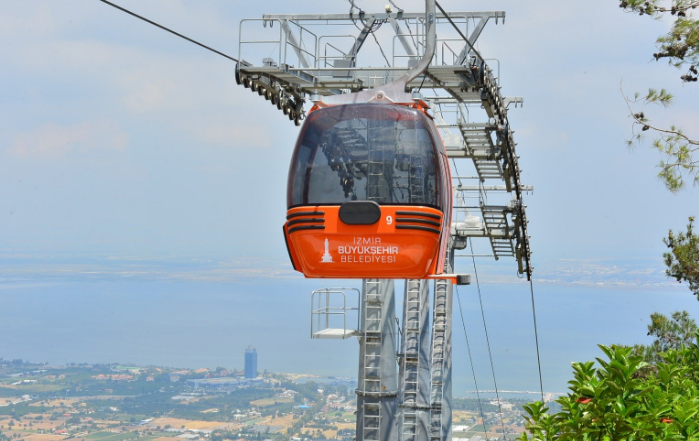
323 309
245 43
282 43
323 60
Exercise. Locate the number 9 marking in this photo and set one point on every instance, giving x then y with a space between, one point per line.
389 220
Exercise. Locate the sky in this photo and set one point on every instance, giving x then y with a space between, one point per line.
123 147
119 138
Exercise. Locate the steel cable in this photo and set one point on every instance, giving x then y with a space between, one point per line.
487 338
536 337
470 359
168 30
380 48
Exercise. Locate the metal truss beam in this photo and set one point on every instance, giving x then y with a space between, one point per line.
414 404
291 38
352 54
410 49
526 188
497 15
472 40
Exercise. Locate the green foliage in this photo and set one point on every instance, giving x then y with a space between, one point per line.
670 333
156 404
21 409
678 151
683 259
680 46
622 400
678 159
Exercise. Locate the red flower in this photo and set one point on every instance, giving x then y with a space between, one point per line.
583 400
665 420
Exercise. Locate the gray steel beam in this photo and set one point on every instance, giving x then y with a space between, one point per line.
377 390
472 40
430 45
457 187
291 38
516 100
383 16
350 59
496 234
407 44
352 54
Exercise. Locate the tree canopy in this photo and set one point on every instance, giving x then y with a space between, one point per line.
683 259
620 401
670 333
636 393
680 48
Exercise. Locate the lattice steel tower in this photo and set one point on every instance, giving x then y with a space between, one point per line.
404 391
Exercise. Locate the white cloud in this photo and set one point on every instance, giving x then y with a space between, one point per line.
52 140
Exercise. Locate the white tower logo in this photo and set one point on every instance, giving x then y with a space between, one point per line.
327 258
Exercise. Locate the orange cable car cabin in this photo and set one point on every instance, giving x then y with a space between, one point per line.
369 194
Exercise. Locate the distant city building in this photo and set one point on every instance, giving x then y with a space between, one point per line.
250 362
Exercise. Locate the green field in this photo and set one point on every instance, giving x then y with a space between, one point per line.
349 416
103 436
28 389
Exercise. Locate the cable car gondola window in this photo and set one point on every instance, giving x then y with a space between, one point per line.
384 153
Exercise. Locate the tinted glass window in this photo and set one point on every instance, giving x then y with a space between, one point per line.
377 152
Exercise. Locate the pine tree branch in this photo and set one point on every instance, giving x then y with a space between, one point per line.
644 7
681 152
639 118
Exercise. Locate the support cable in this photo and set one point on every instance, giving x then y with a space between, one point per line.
380 48
405 21
168 30
407 25
459 30
453 161
470 359
375 27
424 75
536 337
487 339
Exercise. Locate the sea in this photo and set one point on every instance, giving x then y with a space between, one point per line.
193 322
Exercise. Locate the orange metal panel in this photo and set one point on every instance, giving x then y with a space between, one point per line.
404 243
